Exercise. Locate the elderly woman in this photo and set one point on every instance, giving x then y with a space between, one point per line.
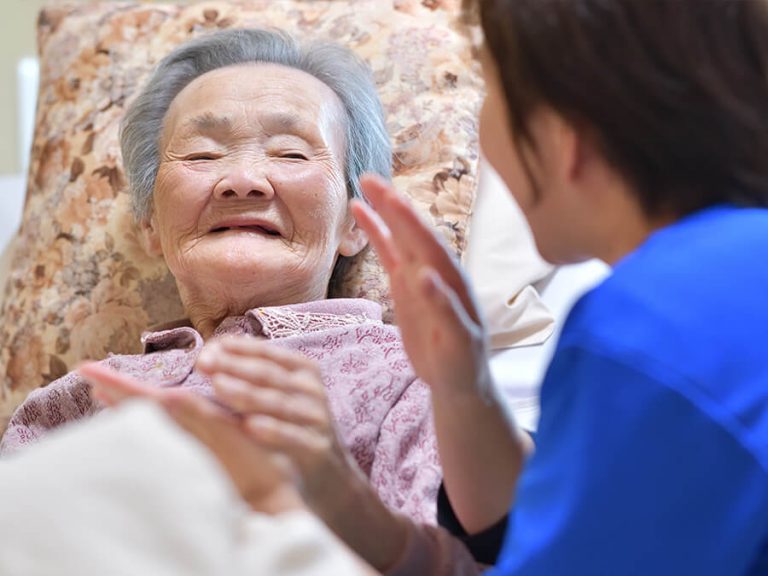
242 154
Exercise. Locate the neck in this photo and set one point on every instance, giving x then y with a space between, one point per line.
625 236
206 309
621 224
206 319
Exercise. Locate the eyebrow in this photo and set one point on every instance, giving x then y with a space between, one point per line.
282 123
210 122
274 123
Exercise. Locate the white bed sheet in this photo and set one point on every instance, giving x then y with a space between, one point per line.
518 372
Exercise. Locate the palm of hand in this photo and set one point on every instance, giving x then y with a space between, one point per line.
441 327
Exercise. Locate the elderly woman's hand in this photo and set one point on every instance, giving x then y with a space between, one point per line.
265 480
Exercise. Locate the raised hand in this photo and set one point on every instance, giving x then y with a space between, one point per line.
481 449
434 307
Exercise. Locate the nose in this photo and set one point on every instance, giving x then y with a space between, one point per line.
244 181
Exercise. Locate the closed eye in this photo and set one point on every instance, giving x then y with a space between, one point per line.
294 156
200 156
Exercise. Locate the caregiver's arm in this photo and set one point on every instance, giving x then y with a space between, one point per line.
481 449
282 401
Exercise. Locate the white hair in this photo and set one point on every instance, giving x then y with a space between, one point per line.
368 146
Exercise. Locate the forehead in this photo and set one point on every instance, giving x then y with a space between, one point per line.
289 97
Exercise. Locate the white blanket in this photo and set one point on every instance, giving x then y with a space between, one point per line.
129 493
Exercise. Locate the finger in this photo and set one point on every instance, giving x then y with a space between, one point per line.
409 230
378 234
197 415
246 399
394 211
249 346
383 198
447 306
111 386
263 372
105 398
301 444
413 236
375 188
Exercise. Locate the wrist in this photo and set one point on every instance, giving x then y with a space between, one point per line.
472 384
282 499
354 512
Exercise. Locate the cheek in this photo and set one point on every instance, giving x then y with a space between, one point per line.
494 141
315 195
499 149
179 197
486 136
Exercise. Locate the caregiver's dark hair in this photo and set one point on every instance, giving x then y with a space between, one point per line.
674 92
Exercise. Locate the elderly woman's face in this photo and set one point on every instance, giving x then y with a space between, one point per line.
250 202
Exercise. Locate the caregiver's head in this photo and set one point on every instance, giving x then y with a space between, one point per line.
241 154
669 96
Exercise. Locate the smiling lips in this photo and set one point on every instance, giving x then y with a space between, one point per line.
246 225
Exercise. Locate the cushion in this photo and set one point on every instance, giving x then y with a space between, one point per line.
505 268
81 286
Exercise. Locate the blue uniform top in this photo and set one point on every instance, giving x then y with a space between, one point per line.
652 448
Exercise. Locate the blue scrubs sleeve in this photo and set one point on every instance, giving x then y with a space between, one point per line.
630 477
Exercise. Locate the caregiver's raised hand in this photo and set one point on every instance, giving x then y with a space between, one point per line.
445 341
440 323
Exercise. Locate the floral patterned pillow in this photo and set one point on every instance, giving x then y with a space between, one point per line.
81 286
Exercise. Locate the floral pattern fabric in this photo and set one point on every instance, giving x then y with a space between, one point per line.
80 285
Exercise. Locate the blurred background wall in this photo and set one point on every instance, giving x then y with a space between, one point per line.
17 39
18 22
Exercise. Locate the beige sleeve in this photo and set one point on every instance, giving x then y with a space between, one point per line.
127 492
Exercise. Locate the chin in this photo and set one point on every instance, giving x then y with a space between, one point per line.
562 257
555 252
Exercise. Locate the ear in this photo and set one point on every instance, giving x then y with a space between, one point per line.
353 238
580 158
583 164
570 147
150 237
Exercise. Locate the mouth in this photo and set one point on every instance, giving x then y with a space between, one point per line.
257 228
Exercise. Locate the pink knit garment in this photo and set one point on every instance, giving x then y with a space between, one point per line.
382 411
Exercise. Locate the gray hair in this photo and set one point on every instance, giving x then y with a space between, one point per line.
367 140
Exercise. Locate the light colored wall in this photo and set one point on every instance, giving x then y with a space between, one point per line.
17 39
